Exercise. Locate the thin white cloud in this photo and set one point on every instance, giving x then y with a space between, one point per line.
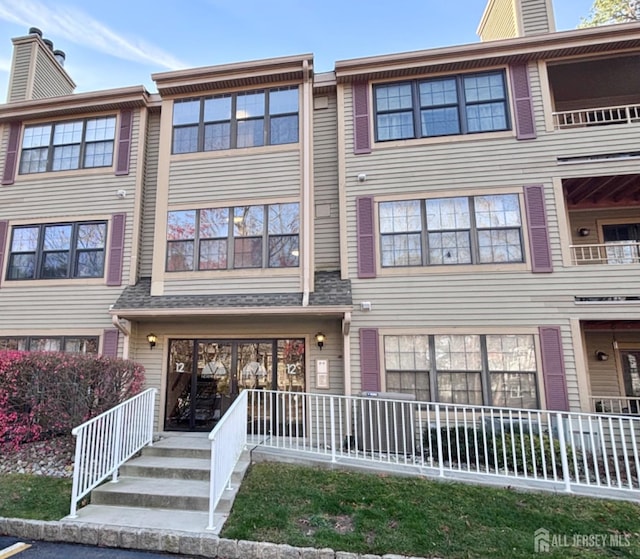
5 64
74 25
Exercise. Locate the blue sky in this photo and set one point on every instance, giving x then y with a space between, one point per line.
118 43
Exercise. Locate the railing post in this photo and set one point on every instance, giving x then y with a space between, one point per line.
212 484
439 439
333 429
73 513
117 444
152 409
563 453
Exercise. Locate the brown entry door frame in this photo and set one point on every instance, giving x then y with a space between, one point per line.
205 375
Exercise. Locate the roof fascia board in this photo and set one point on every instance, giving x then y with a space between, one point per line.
236 311
76 102
522 47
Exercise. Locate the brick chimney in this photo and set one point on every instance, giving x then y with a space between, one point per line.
506 19
37 70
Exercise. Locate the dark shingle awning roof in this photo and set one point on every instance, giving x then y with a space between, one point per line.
331 295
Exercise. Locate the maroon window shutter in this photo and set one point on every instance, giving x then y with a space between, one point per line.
555 382
116 250
9 175
538 230
4 229
110 342
524 117
124 143
361 134
365 233
369 360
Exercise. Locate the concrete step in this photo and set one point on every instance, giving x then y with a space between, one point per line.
179 520
168 467
160 493
185 446
228 497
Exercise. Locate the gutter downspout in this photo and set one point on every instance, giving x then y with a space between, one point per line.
115 319
306 183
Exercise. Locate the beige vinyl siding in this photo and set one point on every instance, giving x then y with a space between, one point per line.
149 195
234 281
327 206
21 68
603 375
48 80
592 217
433 297
234 176
225 327
70 197
500 22
536 18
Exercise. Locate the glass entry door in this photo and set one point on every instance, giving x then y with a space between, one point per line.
631 375
205 376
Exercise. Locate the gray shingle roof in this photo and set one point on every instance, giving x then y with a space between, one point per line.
330 290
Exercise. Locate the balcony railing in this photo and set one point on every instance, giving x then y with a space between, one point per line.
625 114
624 252
616 404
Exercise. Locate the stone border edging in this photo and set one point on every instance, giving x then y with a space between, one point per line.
168 541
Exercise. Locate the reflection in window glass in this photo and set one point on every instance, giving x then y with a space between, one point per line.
57 147
400 226
282 101
181 225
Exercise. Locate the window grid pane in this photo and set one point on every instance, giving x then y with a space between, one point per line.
466 103
43 151
238 120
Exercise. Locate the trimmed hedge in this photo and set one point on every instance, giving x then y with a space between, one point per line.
497 448
45 394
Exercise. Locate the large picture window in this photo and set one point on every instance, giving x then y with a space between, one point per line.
67 344
463 104
78 144
498 370
447 231
57 251
238 237
239 120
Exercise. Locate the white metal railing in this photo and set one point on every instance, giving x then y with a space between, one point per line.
616 404
573 452
108 440
623 114
623 252
228 440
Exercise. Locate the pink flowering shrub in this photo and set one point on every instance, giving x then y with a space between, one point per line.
44 394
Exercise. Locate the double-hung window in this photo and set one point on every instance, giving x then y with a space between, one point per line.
463 104
57 251
264 236
78 144
238 120
496 369
447 231
67 344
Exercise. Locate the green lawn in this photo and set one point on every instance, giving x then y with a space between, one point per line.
369 513
34 497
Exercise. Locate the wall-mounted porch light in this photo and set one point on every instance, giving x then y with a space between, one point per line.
602 356
584 231
320 339
152 339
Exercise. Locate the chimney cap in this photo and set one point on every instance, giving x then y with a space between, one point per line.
60 56
35 31
48 42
